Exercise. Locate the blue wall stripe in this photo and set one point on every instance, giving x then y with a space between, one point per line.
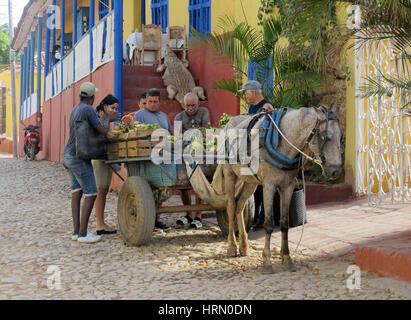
33 45
54 24
91 23
39 34
47 50
118 53
21 80
74 38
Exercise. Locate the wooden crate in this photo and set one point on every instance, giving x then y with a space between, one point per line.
112 147
112 151
144 132
127 153
133 153
132 149
112 155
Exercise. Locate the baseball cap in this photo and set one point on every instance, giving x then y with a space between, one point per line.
88 90
251 85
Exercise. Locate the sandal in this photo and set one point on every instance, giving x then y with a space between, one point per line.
104 231
100 232
160 225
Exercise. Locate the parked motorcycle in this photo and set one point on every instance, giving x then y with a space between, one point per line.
31 141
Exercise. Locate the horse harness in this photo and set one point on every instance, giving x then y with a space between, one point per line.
269 133
321 137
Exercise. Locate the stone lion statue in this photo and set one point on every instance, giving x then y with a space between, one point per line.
177 78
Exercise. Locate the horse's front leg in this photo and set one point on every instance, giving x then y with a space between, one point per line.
286 195
268 194
231 207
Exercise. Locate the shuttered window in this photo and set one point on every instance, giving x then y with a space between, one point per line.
263 73
103 8
200 15
159 13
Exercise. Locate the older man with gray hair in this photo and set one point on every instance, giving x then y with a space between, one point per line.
253 93
193 116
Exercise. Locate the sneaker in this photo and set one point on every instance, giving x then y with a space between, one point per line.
196 223
160 225
74 236
90 238
182 221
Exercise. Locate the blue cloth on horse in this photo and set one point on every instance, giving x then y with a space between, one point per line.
271 139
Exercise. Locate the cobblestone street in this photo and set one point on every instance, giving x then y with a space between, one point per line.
35 233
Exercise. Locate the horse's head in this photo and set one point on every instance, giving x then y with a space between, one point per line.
326 141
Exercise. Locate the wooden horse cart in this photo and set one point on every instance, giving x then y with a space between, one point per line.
148 185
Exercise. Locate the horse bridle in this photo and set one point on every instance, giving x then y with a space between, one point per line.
321 137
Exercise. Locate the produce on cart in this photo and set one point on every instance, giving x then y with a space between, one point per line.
149 184
127 147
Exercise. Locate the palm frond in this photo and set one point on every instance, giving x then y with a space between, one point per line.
231 85
385 85
285 77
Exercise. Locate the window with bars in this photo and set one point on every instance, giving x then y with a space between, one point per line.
82 21
103 8
200 15
159 13
263 73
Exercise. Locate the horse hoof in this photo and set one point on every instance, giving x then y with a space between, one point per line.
268 270
232 252
291 267
243 252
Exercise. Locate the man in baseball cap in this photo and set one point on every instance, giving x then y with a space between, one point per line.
251 85
253 93
82 179
88 90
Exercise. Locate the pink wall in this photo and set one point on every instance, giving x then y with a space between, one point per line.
56 111
206 68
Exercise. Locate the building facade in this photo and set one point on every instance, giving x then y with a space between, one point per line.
92 34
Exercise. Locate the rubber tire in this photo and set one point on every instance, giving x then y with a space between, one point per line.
32 151
138 230
249 211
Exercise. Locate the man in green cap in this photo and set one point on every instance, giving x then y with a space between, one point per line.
82 180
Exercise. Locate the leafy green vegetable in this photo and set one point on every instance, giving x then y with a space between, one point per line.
225 119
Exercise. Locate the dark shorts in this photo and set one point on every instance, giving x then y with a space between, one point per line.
81 175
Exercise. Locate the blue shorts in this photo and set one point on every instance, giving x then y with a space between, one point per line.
81 175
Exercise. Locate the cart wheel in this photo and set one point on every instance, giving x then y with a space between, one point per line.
249 211
136 211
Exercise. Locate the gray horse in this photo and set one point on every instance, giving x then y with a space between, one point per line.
316 129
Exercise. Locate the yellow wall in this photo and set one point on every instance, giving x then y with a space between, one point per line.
132 17
178 11
131 12
247 9
350 146
6 77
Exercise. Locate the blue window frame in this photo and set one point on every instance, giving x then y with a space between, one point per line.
200 15
263 73
83 16
159 13
103 8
